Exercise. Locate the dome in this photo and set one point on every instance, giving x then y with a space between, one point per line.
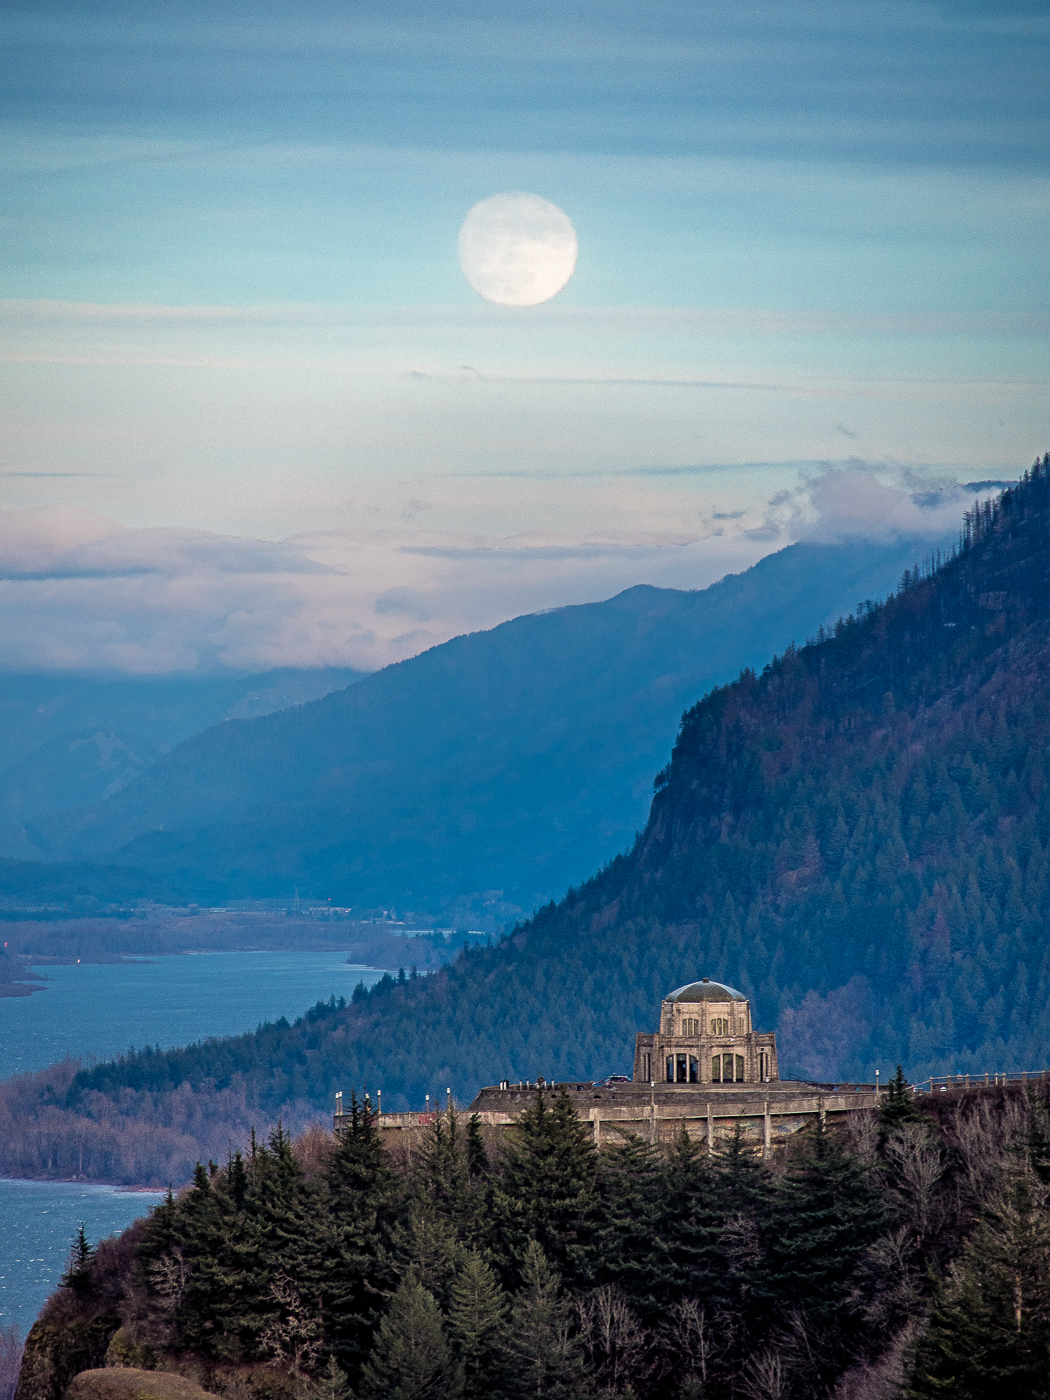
705 990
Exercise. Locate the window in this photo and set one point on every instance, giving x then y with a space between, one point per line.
694 1070
647 1068
670 1069
690 1026
727 1069
719 1025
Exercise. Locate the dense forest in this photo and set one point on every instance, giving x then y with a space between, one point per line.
858 838
474 1264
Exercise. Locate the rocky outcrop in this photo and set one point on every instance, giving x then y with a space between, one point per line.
56 1351
132 1383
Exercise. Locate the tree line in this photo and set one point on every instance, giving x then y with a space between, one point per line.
908 1251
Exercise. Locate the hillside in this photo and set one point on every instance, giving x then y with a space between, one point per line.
484 1265
515 760
859 838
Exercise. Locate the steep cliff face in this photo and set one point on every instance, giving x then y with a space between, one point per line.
75 1328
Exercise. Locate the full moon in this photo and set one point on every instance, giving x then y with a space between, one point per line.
517 249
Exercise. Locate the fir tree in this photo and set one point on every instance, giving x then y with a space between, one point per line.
78 1265
548 1191
477 1318
353 1266
410 1359
626 1249
546 1355
989 1329
690 1234
332 1383
898 1107
822 1217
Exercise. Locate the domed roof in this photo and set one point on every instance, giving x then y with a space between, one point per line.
705 990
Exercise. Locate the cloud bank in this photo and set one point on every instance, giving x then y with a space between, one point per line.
82 592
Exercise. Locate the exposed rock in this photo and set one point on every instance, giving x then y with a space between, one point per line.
132 1383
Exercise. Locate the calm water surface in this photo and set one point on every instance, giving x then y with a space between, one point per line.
99 1010
38 1220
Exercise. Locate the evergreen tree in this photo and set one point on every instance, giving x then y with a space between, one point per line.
898 1107
78 1265
821 1218
477 1319
547 1358
548 1191
353 1266
199 1243
332 1383
690 1234
626 1249
989 1329
477 1156
410 1359
427 1246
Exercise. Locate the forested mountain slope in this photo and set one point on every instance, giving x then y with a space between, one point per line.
859 838
518 759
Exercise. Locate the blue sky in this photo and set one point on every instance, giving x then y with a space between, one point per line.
813 240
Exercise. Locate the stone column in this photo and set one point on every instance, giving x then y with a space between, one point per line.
768 1131
710 1130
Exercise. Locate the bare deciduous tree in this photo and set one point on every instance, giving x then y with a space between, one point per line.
293 1337
615 1340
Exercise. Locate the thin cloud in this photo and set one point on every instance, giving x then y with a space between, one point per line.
79 591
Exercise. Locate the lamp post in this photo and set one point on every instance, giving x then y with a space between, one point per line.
876 1086
339 1103
448 1098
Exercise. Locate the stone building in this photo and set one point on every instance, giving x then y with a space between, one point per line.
705 1037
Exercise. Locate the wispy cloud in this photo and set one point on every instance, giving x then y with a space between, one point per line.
80 591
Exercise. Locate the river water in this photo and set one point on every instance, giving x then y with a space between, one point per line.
98 1011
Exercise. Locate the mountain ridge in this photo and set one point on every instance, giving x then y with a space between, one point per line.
519 758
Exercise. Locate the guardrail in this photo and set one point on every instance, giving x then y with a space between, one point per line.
943 1082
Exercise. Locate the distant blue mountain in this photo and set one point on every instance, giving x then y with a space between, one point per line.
497 769
70 740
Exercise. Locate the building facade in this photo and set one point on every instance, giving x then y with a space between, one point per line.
706 1037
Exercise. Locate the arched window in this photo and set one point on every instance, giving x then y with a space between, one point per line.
739 1075
670 1069
694 1070
719 1025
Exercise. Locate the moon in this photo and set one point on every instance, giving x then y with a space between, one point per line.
517 249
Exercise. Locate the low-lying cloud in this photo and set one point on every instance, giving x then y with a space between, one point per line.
83 592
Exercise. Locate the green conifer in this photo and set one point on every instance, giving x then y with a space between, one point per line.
410 1358
477 1318
332 1383
353 1263
78 1266
898 1107
626 1249
822 1217
546 1355
989 1330
548 1191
